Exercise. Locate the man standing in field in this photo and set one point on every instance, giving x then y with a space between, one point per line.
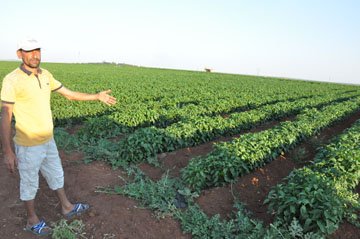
26 94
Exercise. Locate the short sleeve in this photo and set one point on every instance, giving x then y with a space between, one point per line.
54 84
8 91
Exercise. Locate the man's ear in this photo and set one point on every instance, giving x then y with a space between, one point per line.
18 53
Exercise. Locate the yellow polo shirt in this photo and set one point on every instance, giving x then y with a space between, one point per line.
30 95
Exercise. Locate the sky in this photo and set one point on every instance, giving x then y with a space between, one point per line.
302 39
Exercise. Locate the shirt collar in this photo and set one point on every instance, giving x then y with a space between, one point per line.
22 67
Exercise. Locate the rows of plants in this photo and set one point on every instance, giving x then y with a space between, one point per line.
106 126
338 161
163 113
230 160
320 195
170 197
146 143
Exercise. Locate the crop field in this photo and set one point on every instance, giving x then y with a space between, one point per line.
223 155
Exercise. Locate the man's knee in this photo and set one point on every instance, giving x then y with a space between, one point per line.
28 191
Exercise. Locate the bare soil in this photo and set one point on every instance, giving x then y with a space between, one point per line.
115 216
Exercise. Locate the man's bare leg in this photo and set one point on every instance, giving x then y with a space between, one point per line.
32 218
66 205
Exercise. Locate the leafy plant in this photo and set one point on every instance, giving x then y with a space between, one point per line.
63 230
320 195
309 197
159 196
64 140
196 222
300 154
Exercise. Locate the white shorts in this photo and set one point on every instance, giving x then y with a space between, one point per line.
31 160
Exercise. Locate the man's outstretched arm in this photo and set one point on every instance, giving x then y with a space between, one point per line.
102 96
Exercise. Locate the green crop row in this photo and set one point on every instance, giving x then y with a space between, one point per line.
163 113
320 195
145 143
232 159
142 114
138 115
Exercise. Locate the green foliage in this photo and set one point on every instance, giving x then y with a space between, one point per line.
66 141
196 222
309 197
99 128
103 150
292 231
158 196
196 129
342 158
63 230
320 195
146 139
300 154
233 159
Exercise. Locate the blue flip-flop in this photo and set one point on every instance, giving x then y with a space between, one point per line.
78 209
40 229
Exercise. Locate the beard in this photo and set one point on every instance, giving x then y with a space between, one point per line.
32 63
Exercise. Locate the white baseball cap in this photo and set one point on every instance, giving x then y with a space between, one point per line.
28 44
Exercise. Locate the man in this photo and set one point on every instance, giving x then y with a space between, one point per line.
26 94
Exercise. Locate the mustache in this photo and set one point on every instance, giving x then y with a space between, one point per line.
36 59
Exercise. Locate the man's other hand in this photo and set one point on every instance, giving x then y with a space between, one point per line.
11 161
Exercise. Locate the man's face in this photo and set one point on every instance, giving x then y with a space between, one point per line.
30 58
